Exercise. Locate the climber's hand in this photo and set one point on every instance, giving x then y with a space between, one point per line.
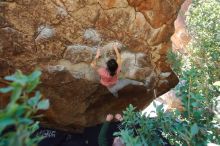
118 117
109 117
115 46
117 53
93 65
97 54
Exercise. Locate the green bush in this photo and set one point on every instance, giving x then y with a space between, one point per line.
198 90
21 112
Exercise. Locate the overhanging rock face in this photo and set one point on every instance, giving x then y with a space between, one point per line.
61 37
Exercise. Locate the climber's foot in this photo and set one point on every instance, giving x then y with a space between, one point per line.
115 94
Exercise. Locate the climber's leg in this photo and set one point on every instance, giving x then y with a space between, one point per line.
127 82
113 91
121 84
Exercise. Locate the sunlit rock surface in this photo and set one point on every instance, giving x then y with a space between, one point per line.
61 37
181 38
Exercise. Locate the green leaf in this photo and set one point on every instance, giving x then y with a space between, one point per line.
194 104
6 90
43 105
194 129
16 93
25 121
6 122
34 100
159 109
34 127
33 81
11 109
32 85
35 75
10 78
20 78
131 107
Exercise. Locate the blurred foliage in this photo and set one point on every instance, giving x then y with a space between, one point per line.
198 89
17 120
175 60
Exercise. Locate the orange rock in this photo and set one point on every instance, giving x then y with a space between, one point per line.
181 38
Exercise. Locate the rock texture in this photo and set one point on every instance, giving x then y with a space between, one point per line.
181 38
61 37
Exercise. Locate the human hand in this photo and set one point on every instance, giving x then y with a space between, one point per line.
93 64
118 117
115 46
98 53
109 117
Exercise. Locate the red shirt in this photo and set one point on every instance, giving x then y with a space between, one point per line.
106 78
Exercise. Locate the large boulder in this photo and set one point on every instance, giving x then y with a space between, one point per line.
61 37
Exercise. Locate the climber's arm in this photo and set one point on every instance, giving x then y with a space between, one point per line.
102 139
94 62
118 55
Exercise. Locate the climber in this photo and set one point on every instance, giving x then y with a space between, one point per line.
102 139
108 75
